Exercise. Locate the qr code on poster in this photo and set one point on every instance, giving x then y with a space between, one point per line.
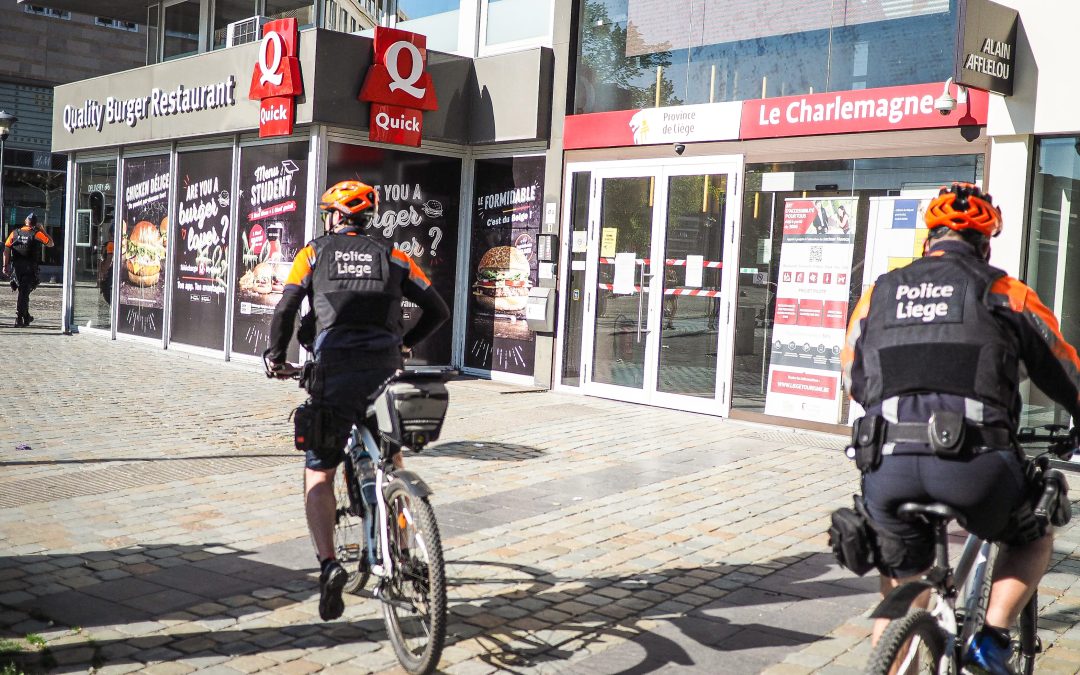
815 254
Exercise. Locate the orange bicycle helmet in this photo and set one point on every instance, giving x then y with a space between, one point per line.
350 198
963 206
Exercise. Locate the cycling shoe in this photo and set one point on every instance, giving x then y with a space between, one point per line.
331 584
987 656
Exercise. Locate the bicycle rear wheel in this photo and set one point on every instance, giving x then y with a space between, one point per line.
1026 644
349 528
911 644
414 598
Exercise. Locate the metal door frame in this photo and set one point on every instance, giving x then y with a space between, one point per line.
661 171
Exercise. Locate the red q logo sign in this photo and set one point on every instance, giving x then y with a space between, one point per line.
398 87
275 80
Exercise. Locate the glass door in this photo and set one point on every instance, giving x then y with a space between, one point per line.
656 324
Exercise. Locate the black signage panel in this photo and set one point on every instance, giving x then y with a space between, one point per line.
986 46
508 209
144 232
201 263
273 204
418 213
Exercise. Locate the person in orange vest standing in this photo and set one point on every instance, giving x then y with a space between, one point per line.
22 251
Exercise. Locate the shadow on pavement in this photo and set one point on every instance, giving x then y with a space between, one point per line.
531 618
484 450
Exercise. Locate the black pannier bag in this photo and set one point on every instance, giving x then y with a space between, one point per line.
411 411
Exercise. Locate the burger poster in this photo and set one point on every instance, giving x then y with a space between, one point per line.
273 181
201 263
507 213
144 231
418 213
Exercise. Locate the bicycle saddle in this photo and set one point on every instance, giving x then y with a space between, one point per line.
934 511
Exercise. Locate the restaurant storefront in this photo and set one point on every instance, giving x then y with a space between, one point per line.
191 191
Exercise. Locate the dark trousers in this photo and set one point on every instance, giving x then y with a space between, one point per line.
26 274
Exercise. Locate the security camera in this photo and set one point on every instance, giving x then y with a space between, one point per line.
680 148
945 104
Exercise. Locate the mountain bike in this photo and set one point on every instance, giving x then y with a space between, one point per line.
934 640
385 528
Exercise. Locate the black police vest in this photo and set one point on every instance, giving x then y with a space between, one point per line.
352 284
25 245
929 329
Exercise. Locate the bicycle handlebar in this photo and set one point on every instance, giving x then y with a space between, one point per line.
1060 440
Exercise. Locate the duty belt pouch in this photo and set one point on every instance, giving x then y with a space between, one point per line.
307 425
866 438
851 538
946 434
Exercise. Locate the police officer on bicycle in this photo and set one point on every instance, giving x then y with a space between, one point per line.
355 285
935 353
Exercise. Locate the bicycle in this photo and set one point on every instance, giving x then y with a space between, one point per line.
934 640
384 525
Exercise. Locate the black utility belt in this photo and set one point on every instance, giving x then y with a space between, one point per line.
947 435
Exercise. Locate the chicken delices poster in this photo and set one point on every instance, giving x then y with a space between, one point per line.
201 263
810 319
507 212
273 182
144 228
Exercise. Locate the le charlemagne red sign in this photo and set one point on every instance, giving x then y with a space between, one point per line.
398 87
276 80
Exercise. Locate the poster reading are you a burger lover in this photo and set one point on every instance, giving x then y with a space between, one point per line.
201 264
144 228
273 180
507 213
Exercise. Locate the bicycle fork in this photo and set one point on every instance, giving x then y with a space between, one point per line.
382 565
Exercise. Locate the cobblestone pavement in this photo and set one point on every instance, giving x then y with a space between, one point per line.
155 525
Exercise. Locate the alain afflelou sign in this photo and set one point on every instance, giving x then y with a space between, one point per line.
986 46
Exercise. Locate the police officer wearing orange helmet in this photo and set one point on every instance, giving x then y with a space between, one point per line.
933 354
355 285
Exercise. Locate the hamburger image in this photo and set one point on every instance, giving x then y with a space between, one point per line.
265 278
143 252
502 280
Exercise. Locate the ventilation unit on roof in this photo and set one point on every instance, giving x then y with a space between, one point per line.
247 30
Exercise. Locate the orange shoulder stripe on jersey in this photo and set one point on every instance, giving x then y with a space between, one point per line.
847 354
1025 301
301 266
415 273
10 238
43 238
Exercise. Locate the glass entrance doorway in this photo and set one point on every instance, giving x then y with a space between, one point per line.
656 317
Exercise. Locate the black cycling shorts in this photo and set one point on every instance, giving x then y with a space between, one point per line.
348 390
986 488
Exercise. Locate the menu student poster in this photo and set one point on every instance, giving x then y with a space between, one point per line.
810 319
507 212
144 229
201 262
418 214
271 218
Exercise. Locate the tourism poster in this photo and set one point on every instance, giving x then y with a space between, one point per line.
811 312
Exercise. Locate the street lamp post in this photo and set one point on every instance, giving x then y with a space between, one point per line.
7 120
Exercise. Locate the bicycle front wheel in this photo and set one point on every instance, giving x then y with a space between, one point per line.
911 644
414 598
1026 644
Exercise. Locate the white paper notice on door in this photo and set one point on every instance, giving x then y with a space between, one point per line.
625 266
694 265
580 241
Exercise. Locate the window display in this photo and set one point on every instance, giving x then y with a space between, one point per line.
144 232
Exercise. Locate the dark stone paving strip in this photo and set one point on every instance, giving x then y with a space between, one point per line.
468 516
